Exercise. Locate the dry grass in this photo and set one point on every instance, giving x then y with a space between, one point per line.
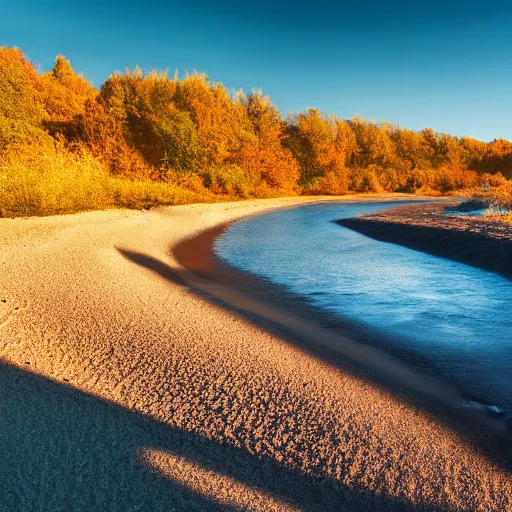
496 198
38 180
144 194
43 181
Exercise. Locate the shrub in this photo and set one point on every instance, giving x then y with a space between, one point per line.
230 180
143 194
44 180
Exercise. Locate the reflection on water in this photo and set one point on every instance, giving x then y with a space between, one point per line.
457 316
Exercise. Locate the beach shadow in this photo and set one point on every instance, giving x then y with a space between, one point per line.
64 450
490 437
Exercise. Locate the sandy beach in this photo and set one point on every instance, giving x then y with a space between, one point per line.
129 382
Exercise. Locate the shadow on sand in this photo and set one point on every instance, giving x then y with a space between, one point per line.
64 450
287 316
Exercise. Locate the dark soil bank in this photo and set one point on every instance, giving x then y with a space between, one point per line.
479 241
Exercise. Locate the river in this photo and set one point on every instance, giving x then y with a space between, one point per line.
456 317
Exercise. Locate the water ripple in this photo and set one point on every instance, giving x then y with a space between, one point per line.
456 315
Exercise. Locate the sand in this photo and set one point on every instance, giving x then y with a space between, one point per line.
127 383
485 242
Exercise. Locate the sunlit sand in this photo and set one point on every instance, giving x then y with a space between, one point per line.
124 387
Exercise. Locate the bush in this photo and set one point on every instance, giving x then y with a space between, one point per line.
230 180
41 180
47 180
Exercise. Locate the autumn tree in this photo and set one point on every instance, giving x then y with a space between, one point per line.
141 111
310 137
65 94
22 109
411 147
261 153
499 157
210 107
375 145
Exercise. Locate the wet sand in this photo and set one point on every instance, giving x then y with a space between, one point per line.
130 382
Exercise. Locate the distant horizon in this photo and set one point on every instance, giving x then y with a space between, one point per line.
441 66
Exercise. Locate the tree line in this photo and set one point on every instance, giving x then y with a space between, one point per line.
193 133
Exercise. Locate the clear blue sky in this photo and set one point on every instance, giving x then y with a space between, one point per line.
445 64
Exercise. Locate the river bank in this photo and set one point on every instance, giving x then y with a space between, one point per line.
480 241
134 382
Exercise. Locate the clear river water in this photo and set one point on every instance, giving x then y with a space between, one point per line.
457 317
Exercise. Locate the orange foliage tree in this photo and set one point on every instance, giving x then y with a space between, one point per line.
261 153
65 94
22 109
194 132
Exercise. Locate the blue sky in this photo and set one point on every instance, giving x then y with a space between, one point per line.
444 64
